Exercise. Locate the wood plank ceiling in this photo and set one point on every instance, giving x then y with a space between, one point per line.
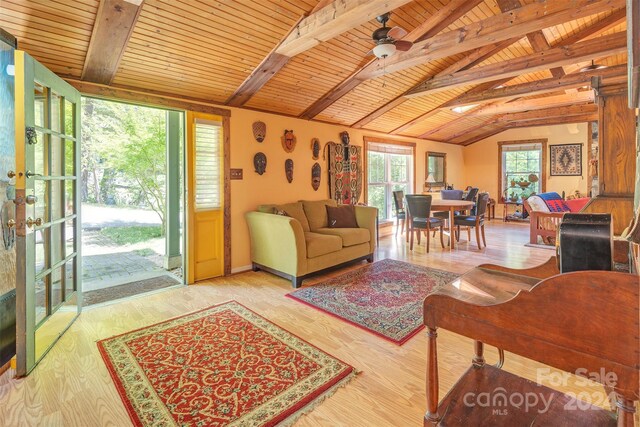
209 50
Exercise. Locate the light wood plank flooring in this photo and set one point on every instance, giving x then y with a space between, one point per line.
71 386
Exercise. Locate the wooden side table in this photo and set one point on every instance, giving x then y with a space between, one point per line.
506 216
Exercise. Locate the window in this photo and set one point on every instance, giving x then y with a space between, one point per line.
522 168
389 169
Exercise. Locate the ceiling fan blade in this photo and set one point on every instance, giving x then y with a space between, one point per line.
397 33
403 45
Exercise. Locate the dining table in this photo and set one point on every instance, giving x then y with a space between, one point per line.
448 205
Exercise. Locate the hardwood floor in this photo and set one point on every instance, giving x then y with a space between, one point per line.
71 386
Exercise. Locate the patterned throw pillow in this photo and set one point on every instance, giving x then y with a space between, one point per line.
342 216
280 212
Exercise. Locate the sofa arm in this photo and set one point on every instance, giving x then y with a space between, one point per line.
277 242
366 218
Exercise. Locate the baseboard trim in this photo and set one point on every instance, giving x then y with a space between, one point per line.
241 269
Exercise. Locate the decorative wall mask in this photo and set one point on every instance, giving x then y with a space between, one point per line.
260 163
288 141
259 131
288 170
344 138
316 174
315 148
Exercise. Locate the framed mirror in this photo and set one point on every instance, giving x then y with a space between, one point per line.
436 170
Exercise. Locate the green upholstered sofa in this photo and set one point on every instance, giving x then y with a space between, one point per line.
301 243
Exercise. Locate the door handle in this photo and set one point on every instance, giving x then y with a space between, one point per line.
11 223
11 174
31 199
31 222
30 174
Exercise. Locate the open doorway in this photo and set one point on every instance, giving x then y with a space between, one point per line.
132 199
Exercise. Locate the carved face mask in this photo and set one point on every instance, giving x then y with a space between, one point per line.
316 174
288 169
344 137
315 148
260 163
259 131
288 141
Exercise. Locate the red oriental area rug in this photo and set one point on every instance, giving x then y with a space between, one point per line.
224 365
384 297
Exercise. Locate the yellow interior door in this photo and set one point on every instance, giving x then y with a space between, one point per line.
205 184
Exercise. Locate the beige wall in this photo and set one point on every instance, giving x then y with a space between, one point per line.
481 159
272 187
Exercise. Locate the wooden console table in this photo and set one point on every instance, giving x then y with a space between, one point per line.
545 316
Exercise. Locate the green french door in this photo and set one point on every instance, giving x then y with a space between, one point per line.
48 289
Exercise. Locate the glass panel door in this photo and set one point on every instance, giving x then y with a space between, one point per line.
48 290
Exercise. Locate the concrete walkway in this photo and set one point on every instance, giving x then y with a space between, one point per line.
96 216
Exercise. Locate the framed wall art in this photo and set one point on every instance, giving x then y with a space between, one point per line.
565 160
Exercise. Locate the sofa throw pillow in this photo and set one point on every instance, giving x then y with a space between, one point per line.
280 212
342 217
294 210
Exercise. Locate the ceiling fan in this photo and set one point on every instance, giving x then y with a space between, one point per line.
388 39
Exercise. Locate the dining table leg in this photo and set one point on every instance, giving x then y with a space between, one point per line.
452 237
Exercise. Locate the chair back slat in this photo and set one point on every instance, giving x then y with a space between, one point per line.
471 195
419 205
398 200
481 205
451 194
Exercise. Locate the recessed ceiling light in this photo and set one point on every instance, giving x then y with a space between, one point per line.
463 108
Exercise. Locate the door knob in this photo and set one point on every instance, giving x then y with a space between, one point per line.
11 223
11 174
31 222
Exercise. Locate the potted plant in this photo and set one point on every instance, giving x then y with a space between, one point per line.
513 196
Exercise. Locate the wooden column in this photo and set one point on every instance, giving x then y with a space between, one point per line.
616 157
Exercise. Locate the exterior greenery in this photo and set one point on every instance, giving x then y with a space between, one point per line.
517 167
123 155
387 173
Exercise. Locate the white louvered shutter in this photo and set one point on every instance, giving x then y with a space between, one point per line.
208 164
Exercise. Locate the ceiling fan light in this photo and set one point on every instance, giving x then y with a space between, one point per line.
384 50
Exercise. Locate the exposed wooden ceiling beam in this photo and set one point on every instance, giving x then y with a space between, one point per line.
602 46
472 129
518 22
590 30
537 40
571 110
604 24
439 20
146 97
327 20
332 20
595 28
569 81
469 60
535 104
561 120
452 123
114 23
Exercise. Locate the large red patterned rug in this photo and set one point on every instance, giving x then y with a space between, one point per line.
384 297
224 365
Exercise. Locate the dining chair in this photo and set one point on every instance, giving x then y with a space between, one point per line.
420 219
471 197
401 215
476 221
448 195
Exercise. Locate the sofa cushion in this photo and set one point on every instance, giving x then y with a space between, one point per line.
295 210
576 205
343 216
537 204
321 244
316 211
349 236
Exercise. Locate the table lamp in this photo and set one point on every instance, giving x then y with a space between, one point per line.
430 180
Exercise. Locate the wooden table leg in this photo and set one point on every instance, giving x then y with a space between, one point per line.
452 236
432 377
